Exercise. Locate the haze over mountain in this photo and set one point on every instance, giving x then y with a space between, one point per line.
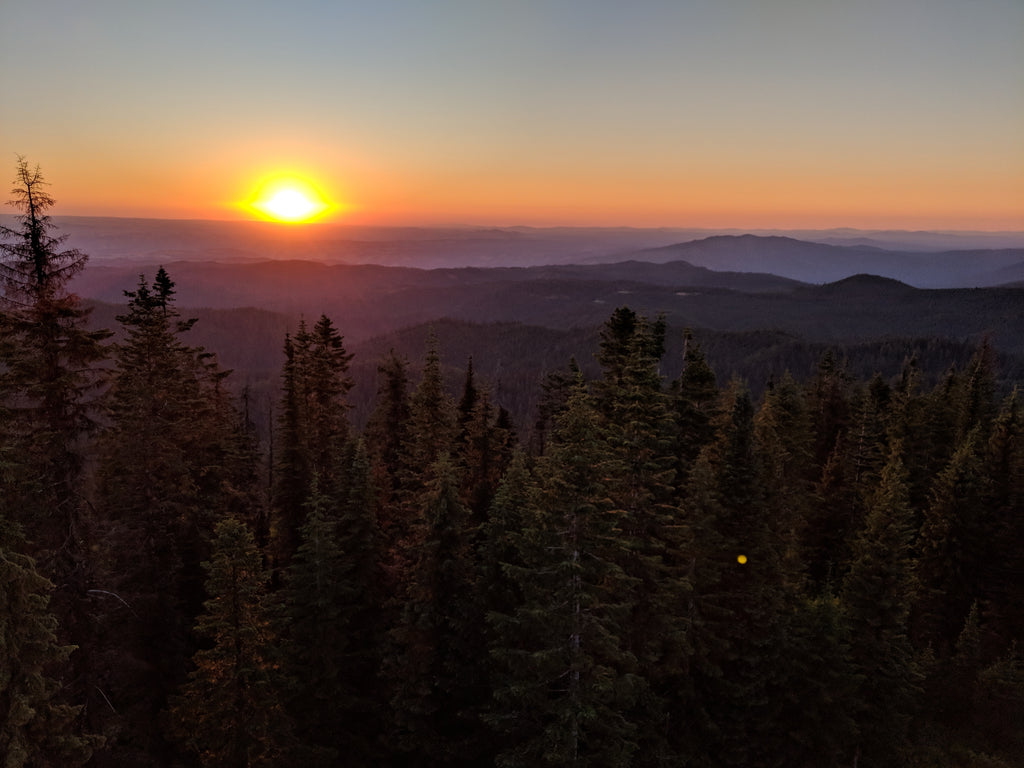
923 259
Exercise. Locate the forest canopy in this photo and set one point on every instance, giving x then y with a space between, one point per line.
654 571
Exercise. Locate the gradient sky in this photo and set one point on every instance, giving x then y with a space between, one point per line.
720 113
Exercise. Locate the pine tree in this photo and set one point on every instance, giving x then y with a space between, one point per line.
315 604
556 389
1004 462
435 667
173 456
785 443
386 435
49 380
326 391
230 712
483 450
329 606
738 609
955 547
431 420
313 426
293 470
35 728
565 682
695 399
639 428
876 595
49 375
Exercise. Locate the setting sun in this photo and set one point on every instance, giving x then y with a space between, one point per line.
288 200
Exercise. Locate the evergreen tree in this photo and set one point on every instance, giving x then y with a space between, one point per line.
785 443
431 421
317 624
556 389
1003 590
173 456
955 547
49 378
435 667
386 435
230 713
695 397
737 612
639 430
329 605
49 372
876 595
565 682
483 450
326 392
312 428
35 728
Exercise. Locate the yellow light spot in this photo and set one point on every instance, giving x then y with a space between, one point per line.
741 559
289 200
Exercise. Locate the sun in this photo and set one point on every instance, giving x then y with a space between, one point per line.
288 200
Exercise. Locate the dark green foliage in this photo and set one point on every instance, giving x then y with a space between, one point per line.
36 729
955 546
820 574
737 612
48 379
436 663
876 597
566 683
173 459
312 428
330 623
230 712
695 396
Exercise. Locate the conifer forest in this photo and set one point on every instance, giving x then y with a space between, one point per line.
651 573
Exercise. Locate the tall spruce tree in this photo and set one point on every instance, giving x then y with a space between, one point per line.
565 680
50 373
230 713
312 427
875 596
436 664
173 457
36 729
695 400
639 428
737 611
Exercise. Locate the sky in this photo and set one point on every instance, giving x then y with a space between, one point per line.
876 114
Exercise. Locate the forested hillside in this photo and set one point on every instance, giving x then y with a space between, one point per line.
664 567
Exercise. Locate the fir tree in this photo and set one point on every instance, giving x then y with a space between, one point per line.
695 400
318 628
173 456
565 681
876 595
639 429
435 665
230 712
49 374
313 426
49 379
737 611
36 729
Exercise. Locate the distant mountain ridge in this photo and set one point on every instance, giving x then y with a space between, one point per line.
813 262
947 259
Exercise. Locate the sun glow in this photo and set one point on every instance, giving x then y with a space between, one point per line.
289 200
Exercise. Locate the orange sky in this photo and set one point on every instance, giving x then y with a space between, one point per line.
774 113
